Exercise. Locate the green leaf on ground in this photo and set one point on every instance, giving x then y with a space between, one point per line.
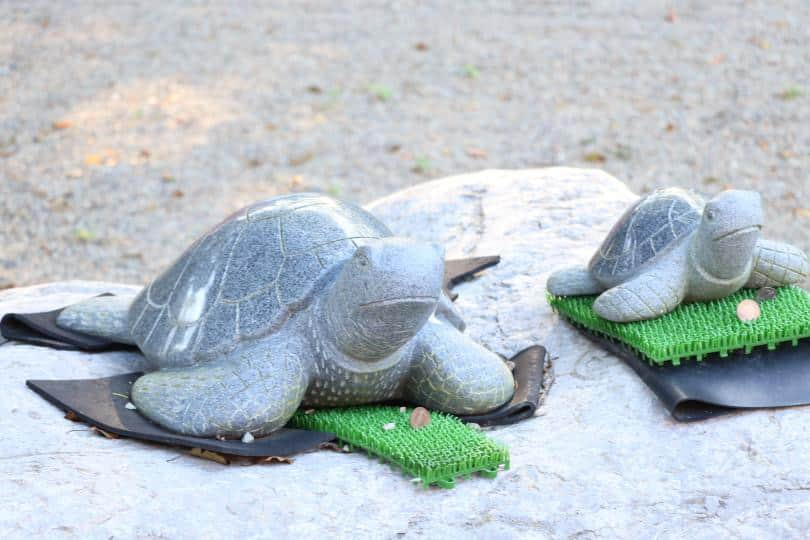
380 91
791 92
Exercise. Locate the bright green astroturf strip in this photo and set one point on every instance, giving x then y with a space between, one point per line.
701 328
435 454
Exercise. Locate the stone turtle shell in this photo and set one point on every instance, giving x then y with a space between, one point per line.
243 278
652 226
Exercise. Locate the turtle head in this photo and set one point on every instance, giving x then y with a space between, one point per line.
383 296
729 231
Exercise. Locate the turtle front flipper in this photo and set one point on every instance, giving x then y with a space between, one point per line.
255 389
451 373
647 296
575 281
777 264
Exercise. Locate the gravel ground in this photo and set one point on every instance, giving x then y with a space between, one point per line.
127 130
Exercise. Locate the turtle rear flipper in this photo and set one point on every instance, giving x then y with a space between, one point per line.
253 389
647 296
576 281
102 316
777 264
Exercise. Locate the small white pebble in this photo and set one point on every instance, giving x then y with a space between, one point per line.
389 426
131 406
346 448
403 409
309 411
247 438
473 425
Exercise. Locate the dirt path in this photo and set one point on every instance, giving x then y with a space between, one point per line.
125 131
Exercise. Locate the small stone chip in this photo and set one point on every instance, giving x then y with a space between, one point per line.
389 426
403 409
247 438
474 426
420 417
131 406
766 293
748 311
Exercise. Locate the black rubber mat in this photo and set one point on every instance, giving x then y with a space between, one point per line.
717 386
102 403
534 374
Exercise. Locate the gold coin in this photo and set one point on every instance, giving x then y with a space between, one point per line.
420 417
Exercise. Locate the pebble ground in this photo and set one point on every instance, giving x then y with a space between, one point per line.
127 129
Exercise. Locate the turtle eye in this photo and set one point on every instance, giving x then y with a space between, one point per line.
711 214
362 260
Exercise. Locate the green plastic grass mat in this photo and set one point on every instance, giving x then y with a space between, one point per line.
434 454
701 328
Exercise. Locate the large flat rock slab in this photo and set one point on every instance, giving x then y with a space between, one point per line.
602 458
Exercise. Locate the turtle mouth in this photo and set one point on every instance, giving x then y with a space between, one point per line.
740 231
414 300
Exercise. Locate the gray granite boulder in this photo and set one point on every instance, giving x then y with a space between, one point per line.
602 459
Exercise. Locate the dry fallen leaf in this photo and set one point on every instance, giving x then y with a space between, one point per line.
594 157
760 42
296 181
178 193
334 447
93 159
671 16
209 455
273 459
477 153
72 416
420 417
421 46
62 124
106 434
300 159
801 212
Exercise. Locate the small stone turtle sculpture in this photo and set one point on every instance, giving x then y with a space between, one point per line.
672 246
299 300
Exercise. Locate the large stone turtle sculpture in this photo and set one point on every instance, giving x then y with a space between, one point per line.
297 300
672 246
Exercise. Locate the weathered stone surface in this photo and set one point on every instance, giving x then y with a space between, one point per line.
602 459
